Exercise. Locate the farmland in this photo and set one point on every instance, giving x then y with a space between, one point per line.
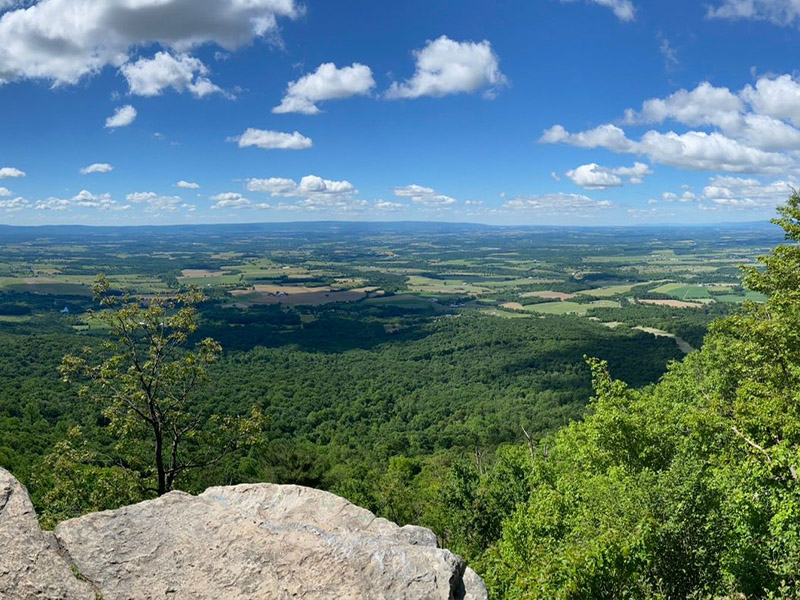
366 346
458 269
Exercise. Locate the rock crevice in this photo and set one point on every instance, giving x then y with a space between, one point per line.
247 541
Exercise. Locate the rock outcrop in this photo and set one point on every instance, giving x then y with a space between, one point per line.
249 541
30 564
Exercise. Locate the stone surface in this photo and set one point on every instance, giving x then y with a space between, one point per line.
261 541
249 541
30 564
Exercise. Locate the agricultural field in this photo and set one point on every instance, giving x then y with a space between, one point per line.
454 269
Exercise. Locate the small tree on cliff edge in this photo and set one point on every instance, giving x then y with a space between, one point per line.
147 382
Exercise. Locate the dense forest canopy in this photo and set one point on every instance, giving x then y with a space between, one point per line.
448 387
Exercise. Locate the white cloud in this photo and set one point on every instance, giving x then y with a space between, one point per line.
595 177
188 185
5 191
671 61
558 204
326 83
742 193
230 200
65 40
310 187
779 12
623 9
54 204
386 206
777 97
97 168
703 105
151 76
702 151
276 186
235 200
445 66
83 199
86 199
7 172
170 204
707 105
424 195
607 136
313 192
155 203
752 130
140 197
272 140
14 204
696 150
122 117
635 174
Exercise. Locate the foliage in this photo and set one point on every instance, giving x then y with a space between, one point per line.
72 480
685 489
146 383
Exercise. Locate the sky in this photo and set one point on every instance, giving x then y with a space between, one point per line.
573 112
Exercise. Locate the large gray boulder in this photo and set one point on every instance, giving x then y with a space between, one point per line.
30 564
249 541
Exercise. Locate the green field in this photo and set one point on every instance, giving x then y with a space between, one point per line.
567 307
681 291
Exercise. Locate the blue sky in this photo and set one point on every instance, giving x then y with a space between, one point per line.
544 111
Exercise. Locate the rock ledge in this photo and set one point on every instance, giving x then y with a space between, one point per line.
259 541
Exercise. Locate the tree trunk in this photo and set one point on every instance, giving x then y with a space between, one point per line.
162 476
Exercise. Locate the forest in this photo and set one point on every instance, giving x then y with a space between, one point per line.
578 415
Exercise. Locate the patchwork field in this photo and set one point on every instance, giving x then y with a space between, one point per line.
567 308
670 303
548 295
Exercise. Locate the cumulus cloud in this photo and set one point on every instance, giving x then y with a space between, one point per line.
696 150
703 105
752 130
61 41
720 108
170 204
140 197
54 204
272 140
156 203
14 204
5 191
777 97
326 83
557 204
424 196
595 177
151 76
8 172
87 199
607 136
188 185
314 192
726 192
83 199
445 66
97 168
623 9
386 206
235 200
122 117
779 12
